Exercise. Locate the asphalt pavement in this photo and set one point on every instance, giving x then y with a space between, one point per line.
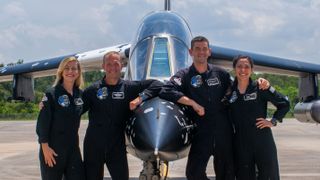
298 147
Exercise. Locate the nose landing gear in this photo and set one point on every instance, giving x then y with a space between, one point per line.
154 170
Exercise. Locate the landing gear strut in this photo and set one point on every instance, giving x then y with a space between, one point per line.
154 170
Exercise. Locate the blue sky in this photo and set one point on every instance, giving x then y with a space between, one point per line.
39 29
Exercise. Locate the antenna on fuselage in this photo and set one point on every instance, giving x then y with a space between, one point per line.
167 6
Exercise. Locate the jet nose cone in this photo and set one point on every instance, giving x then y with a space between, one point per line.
158 127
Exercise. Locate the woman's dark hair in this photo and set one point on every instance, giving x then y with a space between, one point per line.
237 58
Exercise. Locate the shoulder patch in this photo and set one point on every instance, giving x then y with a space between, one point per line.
287 98
177 81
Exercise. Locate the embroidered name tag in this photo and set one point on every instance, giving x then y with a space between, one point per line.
213 81
249 97
117 95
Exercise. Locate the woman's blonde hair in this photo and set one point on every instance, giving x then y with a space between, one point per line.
59 79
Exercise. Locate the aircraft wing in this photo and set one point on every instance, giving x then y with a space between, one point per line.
223 57
90 60
307 110
22 75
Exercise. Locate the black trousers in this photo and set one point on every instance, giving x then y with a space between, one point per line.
69 166
256 157
115 158
205 145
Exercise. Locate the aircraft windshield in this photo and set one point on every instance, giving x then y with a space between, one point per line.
160 66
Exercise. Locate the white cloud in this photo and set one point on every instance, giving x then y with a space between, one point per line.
8 36
263 25
29 38
282 28
101 15
315 4
2 59
14 9
36 32
100 18
153 2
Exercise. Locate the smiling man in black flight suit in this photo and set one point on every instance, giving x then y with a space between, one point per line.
203 87
108 103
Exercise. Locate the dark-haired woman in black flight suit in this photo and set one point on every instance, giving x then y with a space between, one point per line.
254 143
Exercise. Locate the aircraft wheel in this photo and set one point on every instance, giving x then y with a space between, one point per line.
155 177
142 177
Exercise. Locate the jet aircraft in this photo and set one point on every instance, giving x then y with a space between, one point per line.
160 131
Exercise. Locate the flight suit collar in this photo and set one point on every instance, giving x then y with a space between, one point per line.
62 89
252 84
103 82
193 69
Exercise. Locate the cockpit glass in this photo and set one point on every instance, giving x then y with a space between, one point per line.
160 66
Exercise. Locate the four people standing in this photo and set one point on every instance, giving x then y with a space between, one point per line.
201 86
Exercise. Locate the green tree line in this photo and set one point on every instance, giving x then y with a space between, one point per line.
16 110
287 85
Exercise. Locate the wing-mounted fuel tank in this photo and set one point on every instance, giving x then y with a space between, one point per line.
159 129
308 109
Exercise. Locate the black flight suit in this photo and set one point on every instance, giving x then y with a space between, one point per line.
58 125
255 147
214 130
104 141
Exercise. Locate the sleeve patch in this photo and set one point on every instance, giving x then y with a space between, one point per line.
271 89
177 81
44 98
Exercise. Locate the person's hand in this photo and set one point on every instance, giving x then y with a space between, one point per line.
49 155
135 103
263 83
198 108
263 123
40 105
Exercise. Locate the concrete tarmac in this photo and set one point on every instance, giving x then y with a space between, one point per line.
298 147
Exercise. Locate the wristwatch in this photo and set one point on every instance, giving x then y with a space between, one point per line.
274 121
